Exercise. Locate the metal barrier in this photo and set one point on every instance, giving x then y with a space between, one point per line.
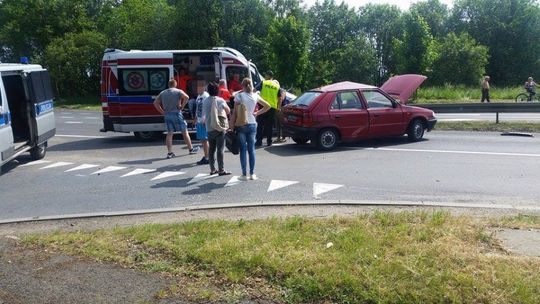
483 108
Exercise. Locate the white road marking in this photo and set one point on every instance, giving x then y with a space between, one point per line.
167 174
73 122
91 117
36 162
108 169
67 117
457 152
80 136
138 171
319 188
233 181
278 184
200 177
57 164
82 167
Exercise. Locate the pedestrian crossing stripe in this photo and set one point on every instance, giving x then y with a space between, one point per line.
138 171
36 162
57 164
167 174
108 169
200 177
82 167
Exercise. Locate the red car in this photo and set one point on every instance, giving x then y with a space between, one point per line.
349 111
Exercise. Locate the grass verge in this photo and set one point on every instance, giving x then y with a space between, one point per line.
458 94
384 257
79 103
488 126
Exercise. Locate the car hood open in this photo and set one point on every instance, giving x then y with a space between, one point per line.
402 87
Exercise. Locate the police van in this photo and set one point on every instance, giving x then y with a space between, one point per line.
26 111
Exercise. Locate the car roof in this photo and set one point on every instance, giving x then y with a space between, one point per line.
344 85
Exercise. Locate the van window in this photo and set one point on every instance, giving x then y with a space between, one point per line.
143 81
377 100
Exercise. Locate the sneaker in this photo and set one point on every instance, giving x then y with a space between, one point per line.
253 177
170 155
203 161
243 178
194 150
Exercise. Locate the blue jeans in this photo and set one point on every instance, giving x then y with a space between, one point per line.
246 134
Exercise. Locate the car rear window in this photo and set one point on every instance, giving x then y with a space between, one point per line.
306 99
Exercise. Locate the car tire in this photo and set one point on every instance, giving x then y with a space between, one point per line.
147 135
327 139
39 151
300 141
416 130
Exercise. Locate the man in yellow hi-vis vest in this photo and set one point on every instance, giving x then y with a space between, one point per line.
269 91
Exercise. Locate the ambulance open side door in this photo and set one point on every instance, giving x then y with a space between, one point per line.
6 134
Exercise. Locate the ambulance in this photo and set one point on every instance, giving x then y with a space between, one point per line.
26 111
131 80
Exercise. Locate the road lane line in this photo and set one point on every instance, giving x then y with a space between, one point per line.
278 184
73 122
456 152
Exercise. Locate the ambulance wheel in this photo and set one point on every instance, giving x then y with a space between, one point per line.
147 135
38 152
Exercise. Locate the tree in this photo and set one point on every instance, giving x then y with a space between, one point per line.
288 40
357 62
74 62
414 50
459 65
436 15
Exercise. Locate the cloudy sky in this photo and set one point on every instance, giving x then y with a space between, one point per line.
403 4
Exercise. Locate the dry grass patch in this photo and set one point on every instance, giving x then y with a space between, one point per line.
384 257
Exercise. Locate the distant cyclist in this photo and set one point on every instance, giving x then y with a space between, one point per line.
530 86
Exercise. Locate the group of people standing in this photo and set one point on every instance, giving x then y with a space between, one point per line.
252 118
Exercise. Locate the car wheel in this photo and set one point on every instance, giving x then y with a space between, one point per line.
416 130
328 139
147 135
38 152
300 141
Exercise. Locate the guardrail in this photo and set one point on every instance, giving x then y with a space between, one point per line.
483 108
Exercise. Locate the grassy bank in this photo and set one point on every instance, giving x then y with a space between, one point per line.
383 257
488 126
81 103
455 94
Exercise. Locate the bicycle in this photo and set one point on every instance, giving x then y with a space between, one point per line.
524 97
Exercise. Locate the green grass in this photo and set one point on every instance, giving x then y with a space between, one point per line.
462 94
82 103
488 126
384 257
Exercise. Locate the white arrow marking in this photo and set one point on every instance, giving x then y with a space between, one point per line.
319 189
167 174
108 169
58 164
233 181
201 176
138 171
36 162
278 184
82 167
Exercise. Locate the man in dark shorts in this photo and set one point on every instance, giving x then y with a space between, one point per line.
170 103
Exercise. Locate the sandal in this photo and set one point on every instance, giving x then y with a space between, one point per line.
223 172
214 172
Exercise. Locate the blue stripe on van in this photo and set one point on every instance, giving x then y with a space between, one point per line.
131 99
44 107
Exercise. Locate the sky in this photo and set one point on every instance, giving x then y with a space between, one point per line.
403 4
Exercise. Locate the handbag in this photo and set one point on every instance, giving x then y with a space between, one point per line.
232 142
218 122
241 115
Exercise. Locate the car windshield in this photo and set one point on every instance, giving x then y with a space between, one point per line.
306 99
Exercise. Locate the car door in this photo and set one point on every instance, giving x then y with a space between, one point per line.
349 114
41 97
6 133
385 115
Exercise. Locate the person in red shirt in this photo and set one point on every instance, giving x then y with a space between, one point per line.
182 79
223 92
234 84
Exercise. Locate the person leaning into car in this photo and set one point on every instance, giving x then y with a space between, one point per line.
269 91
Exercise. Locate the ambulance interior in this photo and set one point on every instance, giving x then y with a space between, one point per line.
19 108
188 68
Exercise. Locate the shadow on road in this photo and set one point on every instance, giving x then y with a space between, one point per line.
112 143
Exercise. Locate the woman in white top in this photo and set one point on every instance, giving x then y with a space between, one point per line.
246 133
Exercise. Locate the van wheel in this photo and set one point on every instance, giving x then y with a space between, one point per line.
327 139
147 135
416 130
300 141
38 152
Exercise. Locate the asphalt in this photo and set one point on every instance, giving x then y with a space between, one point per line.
468 168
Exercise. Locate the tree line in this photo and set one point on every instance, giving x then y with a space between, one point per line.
305 47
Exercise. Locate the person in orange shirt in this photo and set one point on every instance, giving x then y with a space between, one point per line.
182 79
